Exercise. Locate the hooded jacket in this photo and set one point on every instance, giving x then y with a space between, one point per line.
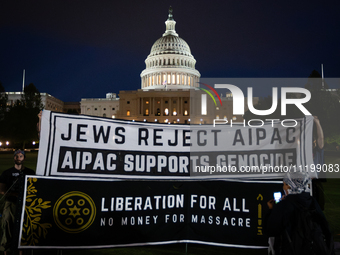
281 219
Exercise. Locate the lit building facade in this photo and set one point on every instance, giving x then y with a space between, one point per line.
101 107
156 105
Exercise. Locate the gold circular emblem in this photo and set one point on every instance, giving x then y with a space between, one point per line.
74 212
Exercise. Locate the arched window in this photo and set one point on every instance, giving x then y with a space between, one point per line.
166 111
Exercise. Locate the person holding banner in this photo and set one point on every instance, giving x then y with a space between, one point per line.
289 220
39 123
9 188
318 158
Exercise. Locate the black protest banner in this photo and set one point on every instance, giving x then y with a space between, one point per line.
84 213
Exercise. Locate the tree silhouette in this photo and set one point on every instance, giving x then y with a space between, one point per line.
3 106
22 118
324 104
3 101
31 97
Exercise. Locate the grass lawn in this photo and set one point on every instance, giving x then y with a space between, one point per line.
332 197
332 210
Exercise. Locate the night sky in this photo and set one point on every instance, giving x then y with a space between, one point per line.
84 49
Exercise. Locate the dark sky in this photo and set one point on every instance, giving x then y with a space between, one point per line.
83 49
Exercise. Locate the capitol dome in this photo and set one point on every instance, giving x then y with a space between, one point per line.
170 44
170 64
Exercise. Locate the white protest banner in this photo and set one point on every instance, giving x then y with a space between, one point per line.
76 145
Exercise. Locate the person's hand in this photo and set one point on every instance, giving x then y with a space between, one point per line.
271 203
39 123
320 137
283 197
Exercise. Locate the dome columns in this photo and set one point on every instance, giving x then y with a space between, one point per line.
171 60
169 78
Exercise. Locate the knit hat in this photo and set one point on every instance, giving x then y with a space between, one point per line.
19 151
298 181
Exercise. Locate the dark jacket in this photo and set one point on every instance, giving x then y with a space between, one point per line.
281 219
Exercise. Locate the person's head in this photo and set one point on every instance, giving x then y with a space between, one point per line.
286 187
19 157
296 182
